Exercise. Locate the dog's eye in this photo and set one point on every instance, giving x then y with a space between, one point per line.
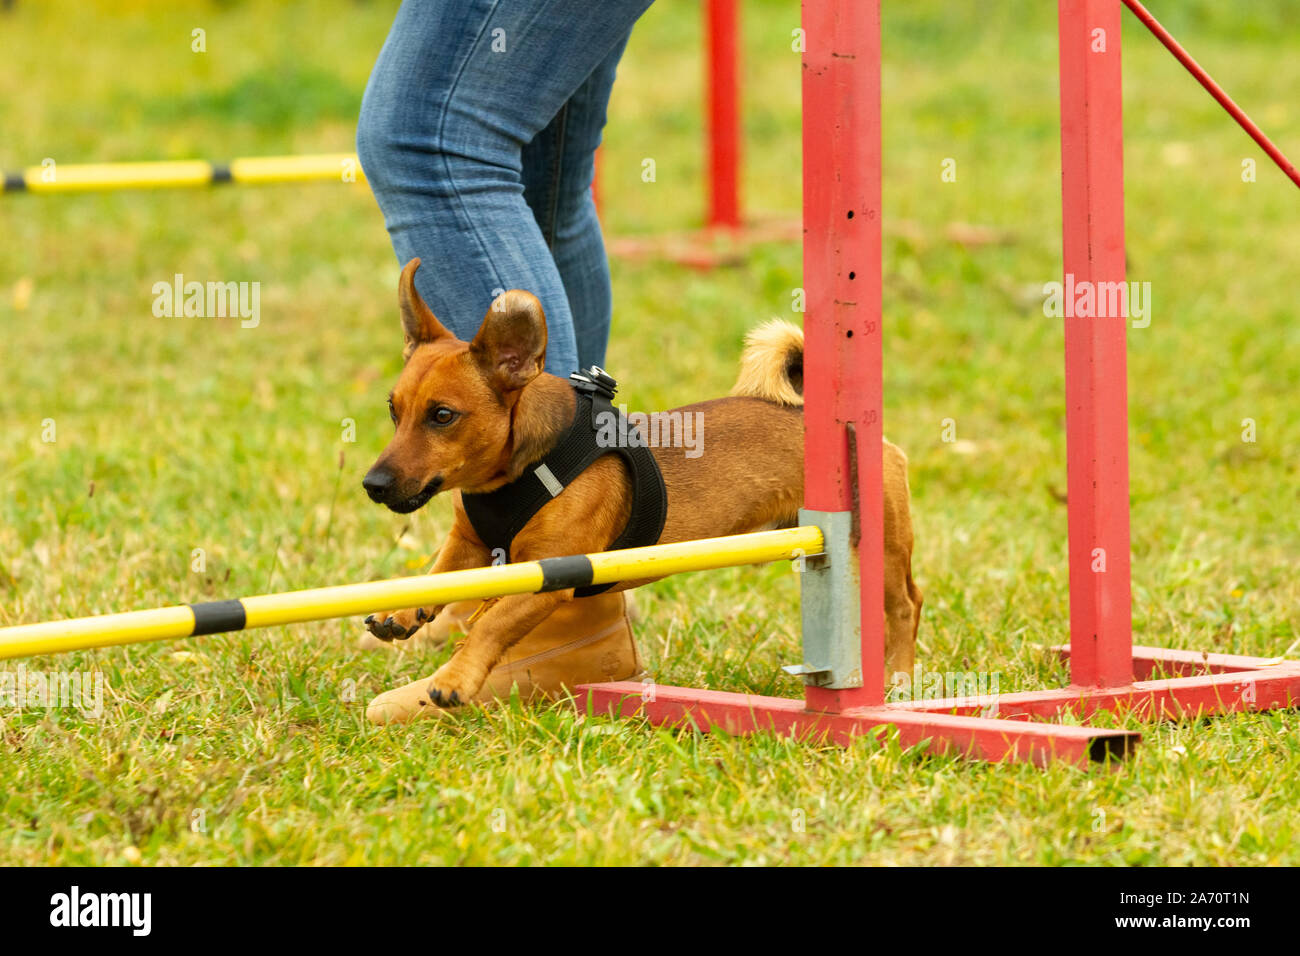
392 412
441 415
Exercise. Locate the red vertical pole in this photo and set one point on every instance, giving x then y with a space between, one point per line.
842 285
1096 386
724 114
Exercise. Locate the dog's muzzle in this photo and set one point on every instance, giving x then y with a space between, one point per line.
380 483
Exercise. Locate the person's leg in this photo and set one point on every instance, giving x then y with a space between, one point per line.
460 87
559 166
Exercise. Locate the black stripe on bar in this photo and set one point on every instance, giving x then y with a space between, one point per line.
14 182
574 571
217 617
221 173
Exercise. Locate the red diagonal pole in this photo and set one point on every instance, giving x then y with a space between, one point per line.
1207 81
1096 386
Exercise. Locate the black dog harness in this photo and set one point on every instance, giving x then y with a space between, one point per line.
598 429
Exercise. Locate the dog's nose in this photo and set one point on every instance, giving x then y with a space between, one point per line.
377 482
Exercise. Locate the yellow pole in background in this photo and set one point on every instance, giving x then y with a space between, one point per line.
61 178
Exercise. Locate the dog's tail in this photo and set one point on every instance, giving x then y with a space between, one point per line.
771 367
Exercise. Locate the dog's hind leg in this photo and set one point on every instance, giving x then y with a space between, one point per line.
902 596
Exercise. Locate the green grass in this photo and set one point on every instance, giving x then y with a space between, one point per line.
199 434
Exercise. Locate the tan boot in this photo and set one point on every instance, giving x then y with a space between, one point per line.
586 641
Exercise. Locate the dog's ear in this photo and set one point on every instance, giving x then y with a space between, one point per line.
418 322
510 346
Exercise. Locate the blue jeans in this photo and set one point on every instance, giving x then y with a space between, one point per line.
478 135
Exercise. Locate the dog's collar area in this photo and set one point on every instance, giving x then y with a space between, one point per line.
498 516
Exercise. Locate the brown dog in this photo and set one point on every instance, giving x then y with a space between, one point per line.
471 416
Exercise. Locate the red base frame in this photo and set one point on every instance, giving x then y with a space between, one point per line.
1207 684
712 247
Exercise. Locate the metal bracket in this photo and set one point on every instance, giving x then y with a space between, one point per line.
807 670
832 613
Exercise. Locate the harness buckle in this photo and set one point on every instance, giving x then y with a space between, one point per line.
595 381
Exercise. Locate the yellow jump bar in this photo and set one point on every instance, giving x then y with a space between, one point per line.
59 178
347 600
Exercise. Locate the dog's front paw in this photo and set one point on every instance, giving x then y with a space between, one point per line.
452 686
399 625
